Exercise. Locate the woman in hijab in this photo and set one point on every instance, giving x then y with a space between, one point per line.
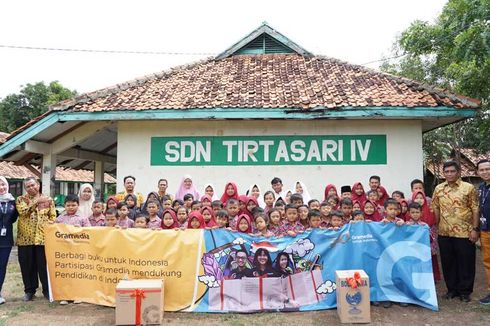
186 187
254 191
330 190
8 215
209 190
231 191
86 198
300 188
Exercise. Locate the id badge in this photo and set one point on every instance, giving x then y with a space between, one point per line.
3 232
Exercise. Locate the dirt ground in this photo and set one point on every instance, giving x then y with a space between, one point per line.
41 312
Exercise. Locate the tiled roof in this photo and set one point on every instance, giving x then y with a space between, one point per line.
266 81
468 161
11 171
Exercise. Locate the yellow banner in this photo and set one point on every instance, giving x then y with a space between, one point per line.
87 263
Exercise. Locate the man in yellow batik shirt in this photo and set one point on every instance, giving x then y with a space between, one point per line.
35 210
455 205
129 183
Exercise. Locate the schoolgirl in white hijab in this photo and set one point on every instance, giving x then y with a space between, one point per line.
254 191
86 198
300 188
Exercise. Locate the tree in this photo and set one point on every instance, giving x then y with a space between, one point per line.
453 53
32 101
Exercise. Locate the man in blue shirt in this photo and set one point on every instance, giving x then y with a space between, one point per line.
484 193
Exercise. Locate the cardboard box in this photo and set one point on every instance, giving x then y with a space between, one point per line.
139 302
353 304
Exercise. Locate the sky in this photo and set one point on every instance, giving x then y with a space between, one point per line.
356 31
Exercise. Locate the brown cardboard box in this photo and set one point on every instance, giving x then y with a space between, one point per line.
353 305
147 293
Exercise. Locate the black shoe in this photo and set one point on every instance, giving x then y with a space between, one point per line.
465 298
46 296
375 303
403 304
485 300
450 295
28 297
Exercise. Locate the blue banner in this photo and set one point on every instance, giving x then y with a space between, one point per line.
245 273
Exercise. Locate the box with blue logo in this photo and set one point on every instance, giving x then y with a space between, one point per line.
353 302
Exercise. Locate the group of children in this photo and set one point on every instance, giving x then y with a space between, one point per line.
278 217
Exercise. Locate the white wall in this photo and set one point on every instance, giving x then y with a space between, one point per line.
404 154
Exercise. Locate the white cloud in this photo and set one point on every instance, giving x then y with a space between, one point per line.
209 280
327 287
300 247
238 241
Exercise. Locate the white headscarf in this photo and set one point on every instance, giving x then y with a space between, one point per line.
305 193
7 196
215 195
85 206
260 199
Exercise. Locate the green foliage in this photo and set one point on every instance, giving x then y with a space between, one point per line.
453 53
32 101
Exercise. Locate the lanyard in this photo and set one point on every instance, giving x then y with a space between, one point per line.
484 194
4 206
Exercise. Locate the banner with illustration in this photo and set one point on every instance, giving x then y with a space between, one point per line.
223 271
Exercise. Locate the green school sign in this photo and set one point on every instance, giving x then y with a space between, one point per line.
269 150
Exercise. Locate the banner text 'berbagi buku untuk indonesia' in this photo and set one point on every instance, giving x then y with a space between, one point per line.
269 150
201 268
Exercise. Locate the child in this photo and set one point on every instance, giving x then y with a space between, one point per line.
232 209
303 215
336 221
372 195
196 221
415 211
152 196
325 210
140 221
261 223
291 226
154 221
314 204
97 218
404 214
169 220
251 204
206 200
70 216
122 216
279 205
110 218
177 203
244 224
314 218
296 199
356 205
429 218
208 215
188 199
182 216
242 204
269 200
230 192
371 212
196 205
330 190
130 201
217 206
222 219
382 196
111 203
166 203
391 207
346 209
300 188
275 221
358 193
397 195
346 192
358 216
334 201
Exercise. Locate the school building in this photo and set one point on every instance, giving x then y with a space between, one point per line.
265 107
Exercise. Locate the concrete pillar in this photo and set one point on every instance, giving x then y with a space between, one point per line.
99 185
48 174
